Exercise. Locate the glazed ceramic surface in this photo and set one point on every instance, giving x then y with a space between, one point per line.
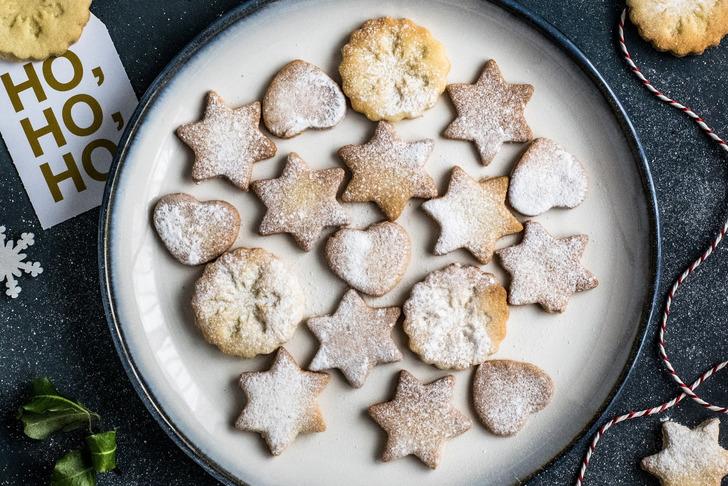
191 387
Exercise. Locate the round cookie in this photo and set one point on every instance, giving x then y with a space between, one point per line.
373 260
193 231
247 302
456 317
393 69
302 96
680 27
506 392
37 29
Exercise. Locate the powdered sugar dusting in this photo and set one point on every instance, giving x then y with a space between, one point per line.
450 322
355 339
490 112
373 260
301 201
689 457
546 270
195 232
302 96
546 176
393 69
388 171
506 392
282 402
472 215
247 302
227 141
680 8
419 419
358 269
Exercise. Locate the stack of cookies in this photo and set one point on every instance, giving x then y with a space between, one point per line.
247 302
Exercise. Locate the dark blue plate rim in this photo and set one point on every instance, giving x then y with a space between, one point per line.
238 13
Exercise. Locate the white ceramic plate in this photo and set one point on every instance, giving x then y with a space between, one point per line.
190 386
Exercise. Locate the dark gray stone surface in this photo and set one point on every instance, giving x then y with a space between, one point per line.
57 327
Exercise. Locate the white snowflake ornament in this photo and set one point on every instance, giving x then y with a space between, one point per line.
12 261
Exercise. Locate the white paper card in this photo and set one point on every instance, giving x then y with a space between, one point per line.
61 120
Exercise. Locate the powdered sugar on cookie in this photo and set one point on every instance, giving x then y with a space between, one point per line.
301 201
679 7
689 457
302 96
355 339
227 141
546 176
456 317
419 419
247 302
506 392
195 232
281 402
490 112
388 171
373 260
680 26
393 69
546 270
472 215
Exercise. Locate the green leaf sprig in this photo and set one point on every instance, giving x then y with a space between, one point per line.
48 412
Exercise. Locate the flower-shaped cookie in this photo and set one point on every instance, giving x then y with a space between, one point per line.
680 27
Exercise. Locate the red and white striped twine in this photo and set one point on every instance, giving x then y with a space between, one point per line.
686 391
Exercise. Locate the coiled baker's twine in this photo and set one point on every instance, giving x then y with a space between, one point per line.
686 391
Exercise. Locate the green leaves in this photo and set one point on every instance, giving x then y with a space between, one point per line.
102 448
73 470
48 412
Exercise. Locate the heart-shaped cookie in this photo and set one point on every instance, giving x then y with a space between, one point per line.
546 176
372 260
506 392
302 96
195 231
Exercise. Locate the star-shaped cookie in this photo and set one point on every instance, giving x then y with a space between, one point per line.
388 171
301 201
420 419
689 457
281 402
546 270
227 141
472 215
490 112
355 338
